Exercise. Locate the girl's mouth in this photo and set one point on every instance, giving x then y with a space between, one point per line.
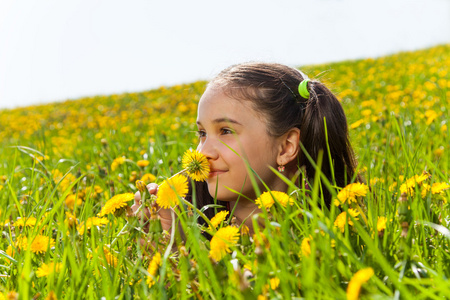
213 173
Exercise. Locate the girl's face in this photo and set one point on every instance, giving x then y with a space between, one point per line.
230 131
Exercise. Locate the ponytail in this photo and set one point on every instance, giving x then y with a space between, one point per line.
324 108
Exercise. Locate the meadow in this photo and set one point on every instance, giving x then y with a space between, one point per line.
68 172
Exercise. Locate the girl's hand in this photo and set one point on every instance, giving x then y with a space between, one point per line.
164 214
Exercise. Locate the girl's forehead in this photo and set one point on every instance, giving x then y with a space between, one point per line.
215 103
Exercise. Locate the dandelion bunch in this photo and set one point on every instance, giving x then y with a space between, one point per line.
28 222
410 184
196 165
436 189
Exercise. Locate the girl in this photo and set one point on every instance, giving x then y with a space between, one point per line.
261 113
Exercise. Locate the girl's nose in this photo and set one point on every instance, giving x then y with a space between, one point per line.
208 149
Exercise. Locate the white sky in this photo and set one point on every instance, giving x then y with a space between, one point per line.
55 50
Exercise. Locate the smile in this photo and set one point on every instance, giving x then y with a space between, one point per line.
213 173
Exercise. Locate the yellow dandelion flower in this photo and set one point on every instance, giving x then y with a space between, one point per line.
222 241
196 165
354 286
45 270
356 124
115 203
41 244
10 252
267 199
147 178
170 189
306 247
116 162
218 218
274 283
153 268
22 242
111 259
71 199
439 187
51 296
342 219
10 295
381 223
143 163
425 189
28 222
410 184
70 220
98 189
93 221
350 192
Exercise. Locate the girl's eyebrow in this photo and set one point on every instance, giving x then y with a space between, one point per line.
222 120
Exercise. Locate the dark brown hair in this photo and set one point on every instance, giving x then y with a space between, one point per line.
273 90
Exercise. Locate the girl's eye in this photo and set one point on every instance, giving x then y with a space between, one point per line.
226 131
201 133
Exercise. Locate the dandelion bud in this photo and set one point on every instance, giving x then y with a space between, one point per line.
405 227
234 222
245 236
71 220
155 223
190 213
260 242
242 282
153 213
140 185
3 178
403 208
183 251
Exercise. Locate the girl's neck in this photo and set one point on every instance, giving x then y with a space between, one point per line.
244 211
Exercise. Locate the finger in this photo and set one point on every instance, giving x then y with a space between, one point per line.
137 197
152 188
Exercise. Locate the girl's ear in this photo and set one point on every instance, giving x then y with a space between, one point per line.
289 146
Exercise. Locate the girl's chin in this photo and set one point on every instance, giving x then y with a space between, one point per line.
225 196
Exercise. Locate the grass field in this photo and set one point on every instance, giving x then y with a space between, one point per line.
61 163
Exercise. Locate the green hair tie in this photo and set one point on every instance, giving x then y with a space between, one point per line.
303 89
